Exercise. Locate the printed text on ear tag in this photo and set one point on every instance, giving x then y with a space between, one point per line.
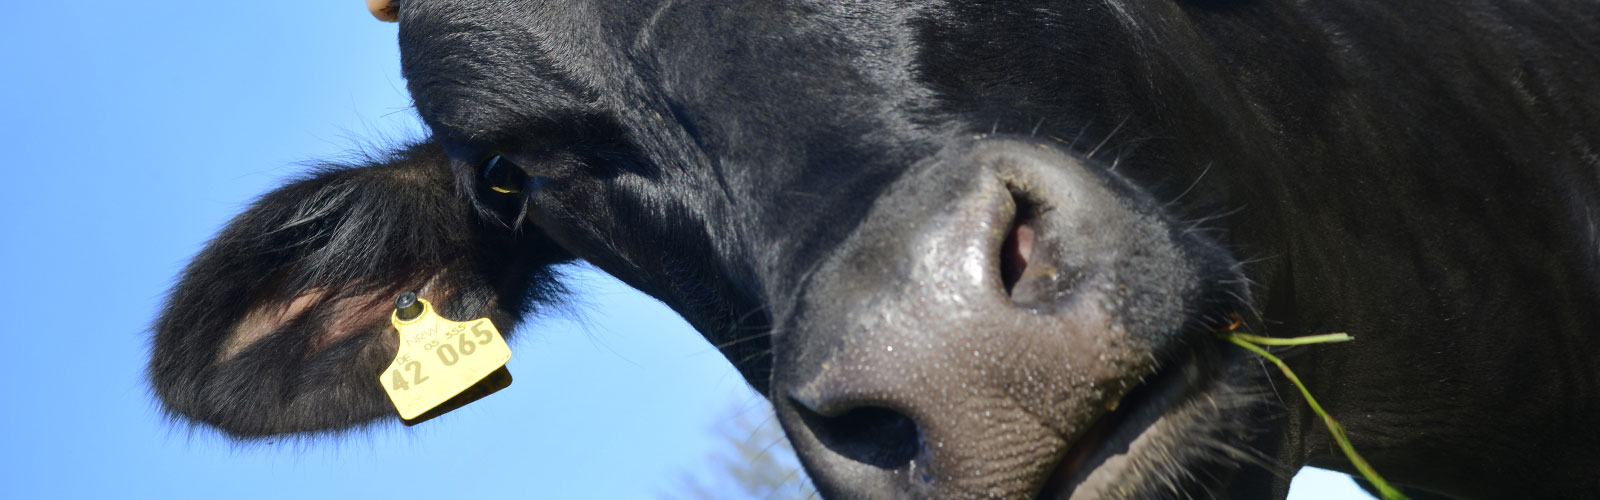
441 364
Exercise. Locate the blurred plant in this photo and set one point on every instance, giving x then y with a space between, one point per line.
754 462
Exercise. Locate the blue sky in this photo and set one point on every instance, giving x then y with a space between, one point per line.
133 131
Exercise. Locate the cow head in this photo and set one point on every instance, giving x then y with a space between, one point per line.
959 246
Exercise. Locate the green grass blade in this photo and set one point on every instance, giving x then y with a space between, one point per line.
1311 339
1250 342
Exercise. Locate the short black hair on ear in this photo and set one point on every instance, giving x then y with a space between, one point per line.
281 324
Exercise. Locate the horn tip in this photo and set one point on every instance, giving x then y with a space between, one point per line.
385 10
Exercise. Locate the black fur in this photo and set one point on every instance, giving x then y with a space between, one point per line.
364 234
829 190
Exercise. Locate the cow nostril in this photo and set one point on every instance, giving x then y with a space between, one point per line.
1017 250
872 435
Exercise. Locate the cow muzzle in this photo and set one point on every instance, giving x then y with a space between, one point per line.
998 301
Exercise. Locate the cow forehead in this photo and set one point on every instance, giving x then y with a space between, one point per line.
483 68
486 70
774 105
770 109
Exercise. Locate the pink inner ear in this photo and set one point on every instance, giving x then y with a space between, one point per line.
265 320
348 315
354 314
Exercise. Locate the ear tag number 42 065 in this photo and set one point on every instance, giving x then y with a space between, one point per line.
441 364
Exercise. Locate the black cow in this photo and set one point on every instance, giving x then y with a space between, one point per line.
980 249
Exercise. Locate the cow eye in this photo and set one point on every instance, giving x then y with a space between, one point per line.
502 176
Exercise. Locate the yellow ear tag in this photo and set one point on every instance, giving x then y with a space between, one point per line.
441 364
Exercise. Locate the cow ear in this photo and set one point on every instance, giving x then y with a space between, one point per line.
281 324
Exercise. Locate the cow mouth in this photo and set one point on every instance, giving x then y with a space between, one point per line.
1118 449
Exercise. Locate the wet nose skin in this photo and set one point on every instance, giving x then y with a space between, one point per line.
967 333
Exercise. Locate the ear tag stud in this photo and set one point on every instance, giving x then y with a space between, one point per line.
441 364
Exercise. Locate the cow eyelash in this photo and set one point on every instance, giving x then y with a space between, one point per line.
503 176
503 189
